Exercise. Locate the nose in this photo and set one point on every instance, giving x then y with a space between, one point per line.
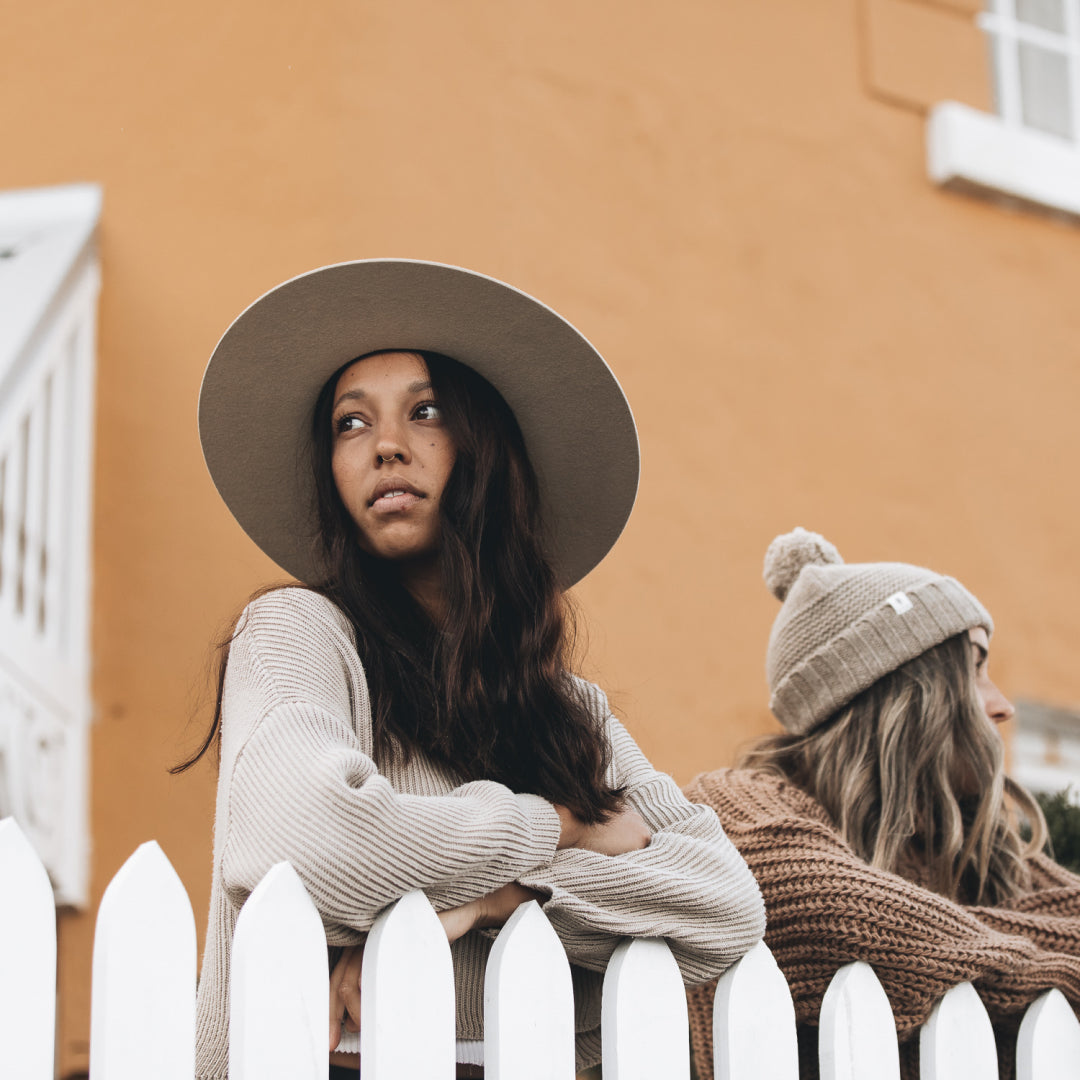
391 444
998 707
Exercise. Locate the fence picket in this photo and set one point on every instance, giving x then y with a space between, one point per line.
28 946
142 1014
280 985
754 1021
957 1040
857 1037
644 1023
528 1002
407 986
1048 1047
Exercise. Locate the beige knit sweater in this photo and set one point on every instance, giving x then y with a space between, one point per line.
826 907
299 780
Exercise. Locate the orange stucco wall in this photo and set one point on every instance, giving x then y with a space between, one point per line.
729 200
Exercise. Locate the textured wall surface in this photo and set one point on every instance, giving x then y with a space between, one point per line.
729 200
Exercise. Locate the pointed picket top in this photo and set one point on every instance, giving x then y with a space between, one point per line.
142 1013
406 987
754 1033
644 1023
28 946
279 984
528 1002
857 1037
1048 1047
957 1040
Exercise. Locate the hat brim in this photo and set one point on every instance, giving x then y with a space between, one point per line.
260 386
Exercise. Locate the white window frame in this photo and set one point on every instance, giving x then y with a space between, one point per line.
49 281
998 154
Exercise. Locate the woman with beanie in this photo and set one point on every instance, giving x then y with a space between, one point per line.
881 825
436 457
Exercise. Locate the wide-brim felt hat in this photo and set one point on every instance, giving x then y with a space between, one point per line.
260 387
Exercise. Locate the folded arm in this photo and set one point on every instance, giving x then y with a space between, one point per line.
688 885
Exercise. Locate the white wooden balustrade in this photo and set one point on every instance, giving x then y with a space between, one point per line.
280 986
957 1042
754 1021
144 992
48 299
856 1037
527 965
28 970
142 1018
644 1024
407 973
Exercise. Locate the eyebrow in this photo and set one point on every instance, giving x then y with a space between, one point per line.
417 387
983 651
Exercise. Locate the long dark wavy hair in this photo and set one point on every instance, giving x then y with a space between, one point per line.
912 773
487 692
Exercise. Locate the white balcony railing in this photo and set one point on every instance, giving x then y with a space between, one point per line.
49 282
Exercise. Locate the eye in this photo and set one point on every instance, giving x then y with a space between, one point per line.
349 422
427 410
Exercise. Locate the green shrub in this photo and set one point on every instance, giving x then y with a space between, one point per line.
1063 821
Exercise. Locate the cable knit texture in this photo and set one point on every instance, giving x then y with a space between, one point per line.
843 626
299 780
826 907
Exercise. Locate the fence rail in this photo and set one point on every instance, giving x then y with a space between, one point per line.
143 1004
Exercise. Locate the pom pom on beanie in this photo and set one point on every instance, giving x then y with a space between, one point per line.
788 554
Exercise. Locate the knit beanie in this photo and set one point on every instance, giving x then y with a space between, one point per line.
844 626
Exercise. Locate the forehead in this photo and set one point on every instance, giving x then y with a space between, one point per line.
388 370
978 636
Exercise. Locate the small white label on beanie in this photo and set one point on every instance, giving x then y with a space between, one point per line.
900 602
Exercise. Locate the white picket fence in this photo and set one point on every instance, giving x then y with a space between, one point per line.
143 1023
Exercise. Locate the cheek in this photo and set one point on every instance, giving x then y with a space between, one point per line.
343 473
443 456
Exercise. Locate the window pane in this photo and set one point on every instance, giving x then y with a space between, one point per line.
995 74
1044 90
1048 14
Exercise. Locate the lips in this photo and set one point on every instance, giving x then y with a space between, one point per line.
394 493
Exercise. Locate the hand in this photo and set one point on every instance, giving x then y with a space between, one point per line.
492 909
624 831
345 993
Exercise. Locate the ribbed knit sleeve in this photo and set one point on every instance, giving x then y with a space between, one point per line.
826 907
689 885
304 786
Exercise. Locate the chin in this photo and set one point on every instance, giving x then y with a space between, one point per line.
405 550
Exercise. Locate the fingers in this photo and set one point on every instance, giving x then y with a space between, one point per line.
350 993
345 993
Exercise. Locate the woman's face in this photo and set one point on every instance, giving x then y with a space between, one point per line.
391 455
995 704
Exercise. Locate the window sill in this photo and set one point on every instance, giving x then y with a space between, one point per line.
972 150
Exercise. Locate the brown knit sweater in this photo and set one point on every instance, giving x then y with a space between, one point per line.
826 907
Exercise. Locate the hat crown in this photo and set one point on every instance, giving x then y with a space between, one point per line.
842 626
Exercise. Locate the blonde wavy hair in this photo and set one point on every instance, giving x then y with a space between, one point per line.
913 774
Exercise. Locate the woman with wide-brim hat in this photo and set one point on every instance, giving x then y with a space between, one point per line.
436 456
